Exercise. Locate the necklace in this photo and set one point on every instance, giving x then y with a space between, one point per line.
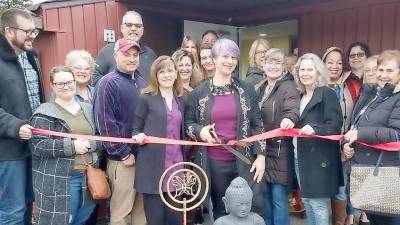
227 89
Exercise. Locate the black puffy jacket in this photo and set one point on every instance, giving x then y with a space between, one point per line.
380 123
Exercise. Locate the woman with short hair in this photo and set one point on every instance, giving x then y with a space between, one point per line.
317 161
255 73
209 37
82 66
225 108
59 164
356 55
370 69
376 120
279 101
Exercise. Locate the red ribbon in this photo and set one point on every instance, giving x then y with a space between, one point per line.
391 146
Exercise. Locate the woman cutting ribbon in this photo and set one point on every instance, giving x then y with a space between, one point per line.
231 105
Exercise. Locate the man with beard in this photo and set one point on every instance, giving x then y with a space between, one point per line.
21 92
131 28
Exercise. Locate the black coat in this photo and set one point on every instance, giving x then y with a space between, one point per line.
283 102
379 124
255 75
15 109
198 115
151 119
320 167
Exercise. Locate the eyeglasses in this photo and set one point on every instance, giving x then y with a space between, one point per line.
61 85
358 55
136 25
28 31
274 63
263 52
80 68
370 70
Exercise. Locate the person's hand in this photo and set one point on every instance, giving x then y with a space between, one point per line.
139 138
348 151
129 160
205 134
25 132
286 124
351 136
259 167
81 146
307 130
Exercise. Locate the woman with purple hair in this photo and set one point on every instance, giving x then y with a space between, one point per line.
221 109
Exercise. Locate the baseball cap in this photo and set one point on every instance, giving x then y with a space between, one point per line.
124 44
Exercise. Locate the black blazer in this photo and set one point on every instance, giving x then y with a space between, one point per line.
319 160
150 118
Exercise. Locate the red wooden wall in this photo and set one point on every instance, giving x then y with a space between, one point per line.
75 25
376 23
79 24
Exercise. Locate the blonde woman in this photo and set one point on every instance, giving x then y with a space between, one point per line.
255 73
317 162
189 75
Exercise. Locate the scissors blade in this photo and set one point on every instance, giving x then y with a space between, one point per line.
237 154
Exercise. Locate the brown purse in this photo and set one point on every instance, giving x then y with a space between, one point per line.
97 182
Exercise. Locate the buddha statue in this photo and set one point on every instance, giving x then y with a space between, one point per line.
238 198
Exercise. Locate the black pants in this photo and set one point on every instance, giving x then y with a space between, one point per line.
221 173
383 220
157 213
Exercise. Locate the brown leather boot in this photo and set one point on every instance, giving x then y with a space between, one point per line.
338 212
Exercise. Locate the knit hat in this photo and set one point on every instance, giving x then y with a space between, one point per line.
331 49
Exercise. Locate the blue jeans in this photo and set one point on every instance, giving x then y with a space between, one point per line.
349 208
16 193
276 205
342 196
79 213
317 209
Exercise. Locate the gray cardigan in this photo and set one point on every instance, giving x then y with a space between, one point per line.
53 163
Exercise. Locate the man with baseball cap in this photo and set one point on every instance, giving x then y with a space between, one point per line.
115 99
132 28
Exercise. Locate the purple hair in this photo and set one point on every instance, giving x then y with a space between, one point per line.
225 45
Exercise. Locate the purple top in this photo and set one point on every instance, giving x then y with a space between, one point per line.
173 153
224 115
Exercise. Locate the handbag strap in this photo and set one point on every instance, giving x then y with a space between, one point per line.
380 158
376 170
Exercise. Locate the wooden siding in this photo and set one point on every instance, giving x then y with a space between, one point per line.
75 26
378 25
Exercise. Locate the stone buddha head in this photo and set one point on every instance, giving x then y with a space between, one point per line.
238 198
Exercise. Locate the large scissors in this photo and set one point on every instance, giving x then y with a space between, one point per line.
229 148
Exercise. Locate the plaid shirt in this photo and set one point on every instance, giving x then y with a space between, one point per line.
31 80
